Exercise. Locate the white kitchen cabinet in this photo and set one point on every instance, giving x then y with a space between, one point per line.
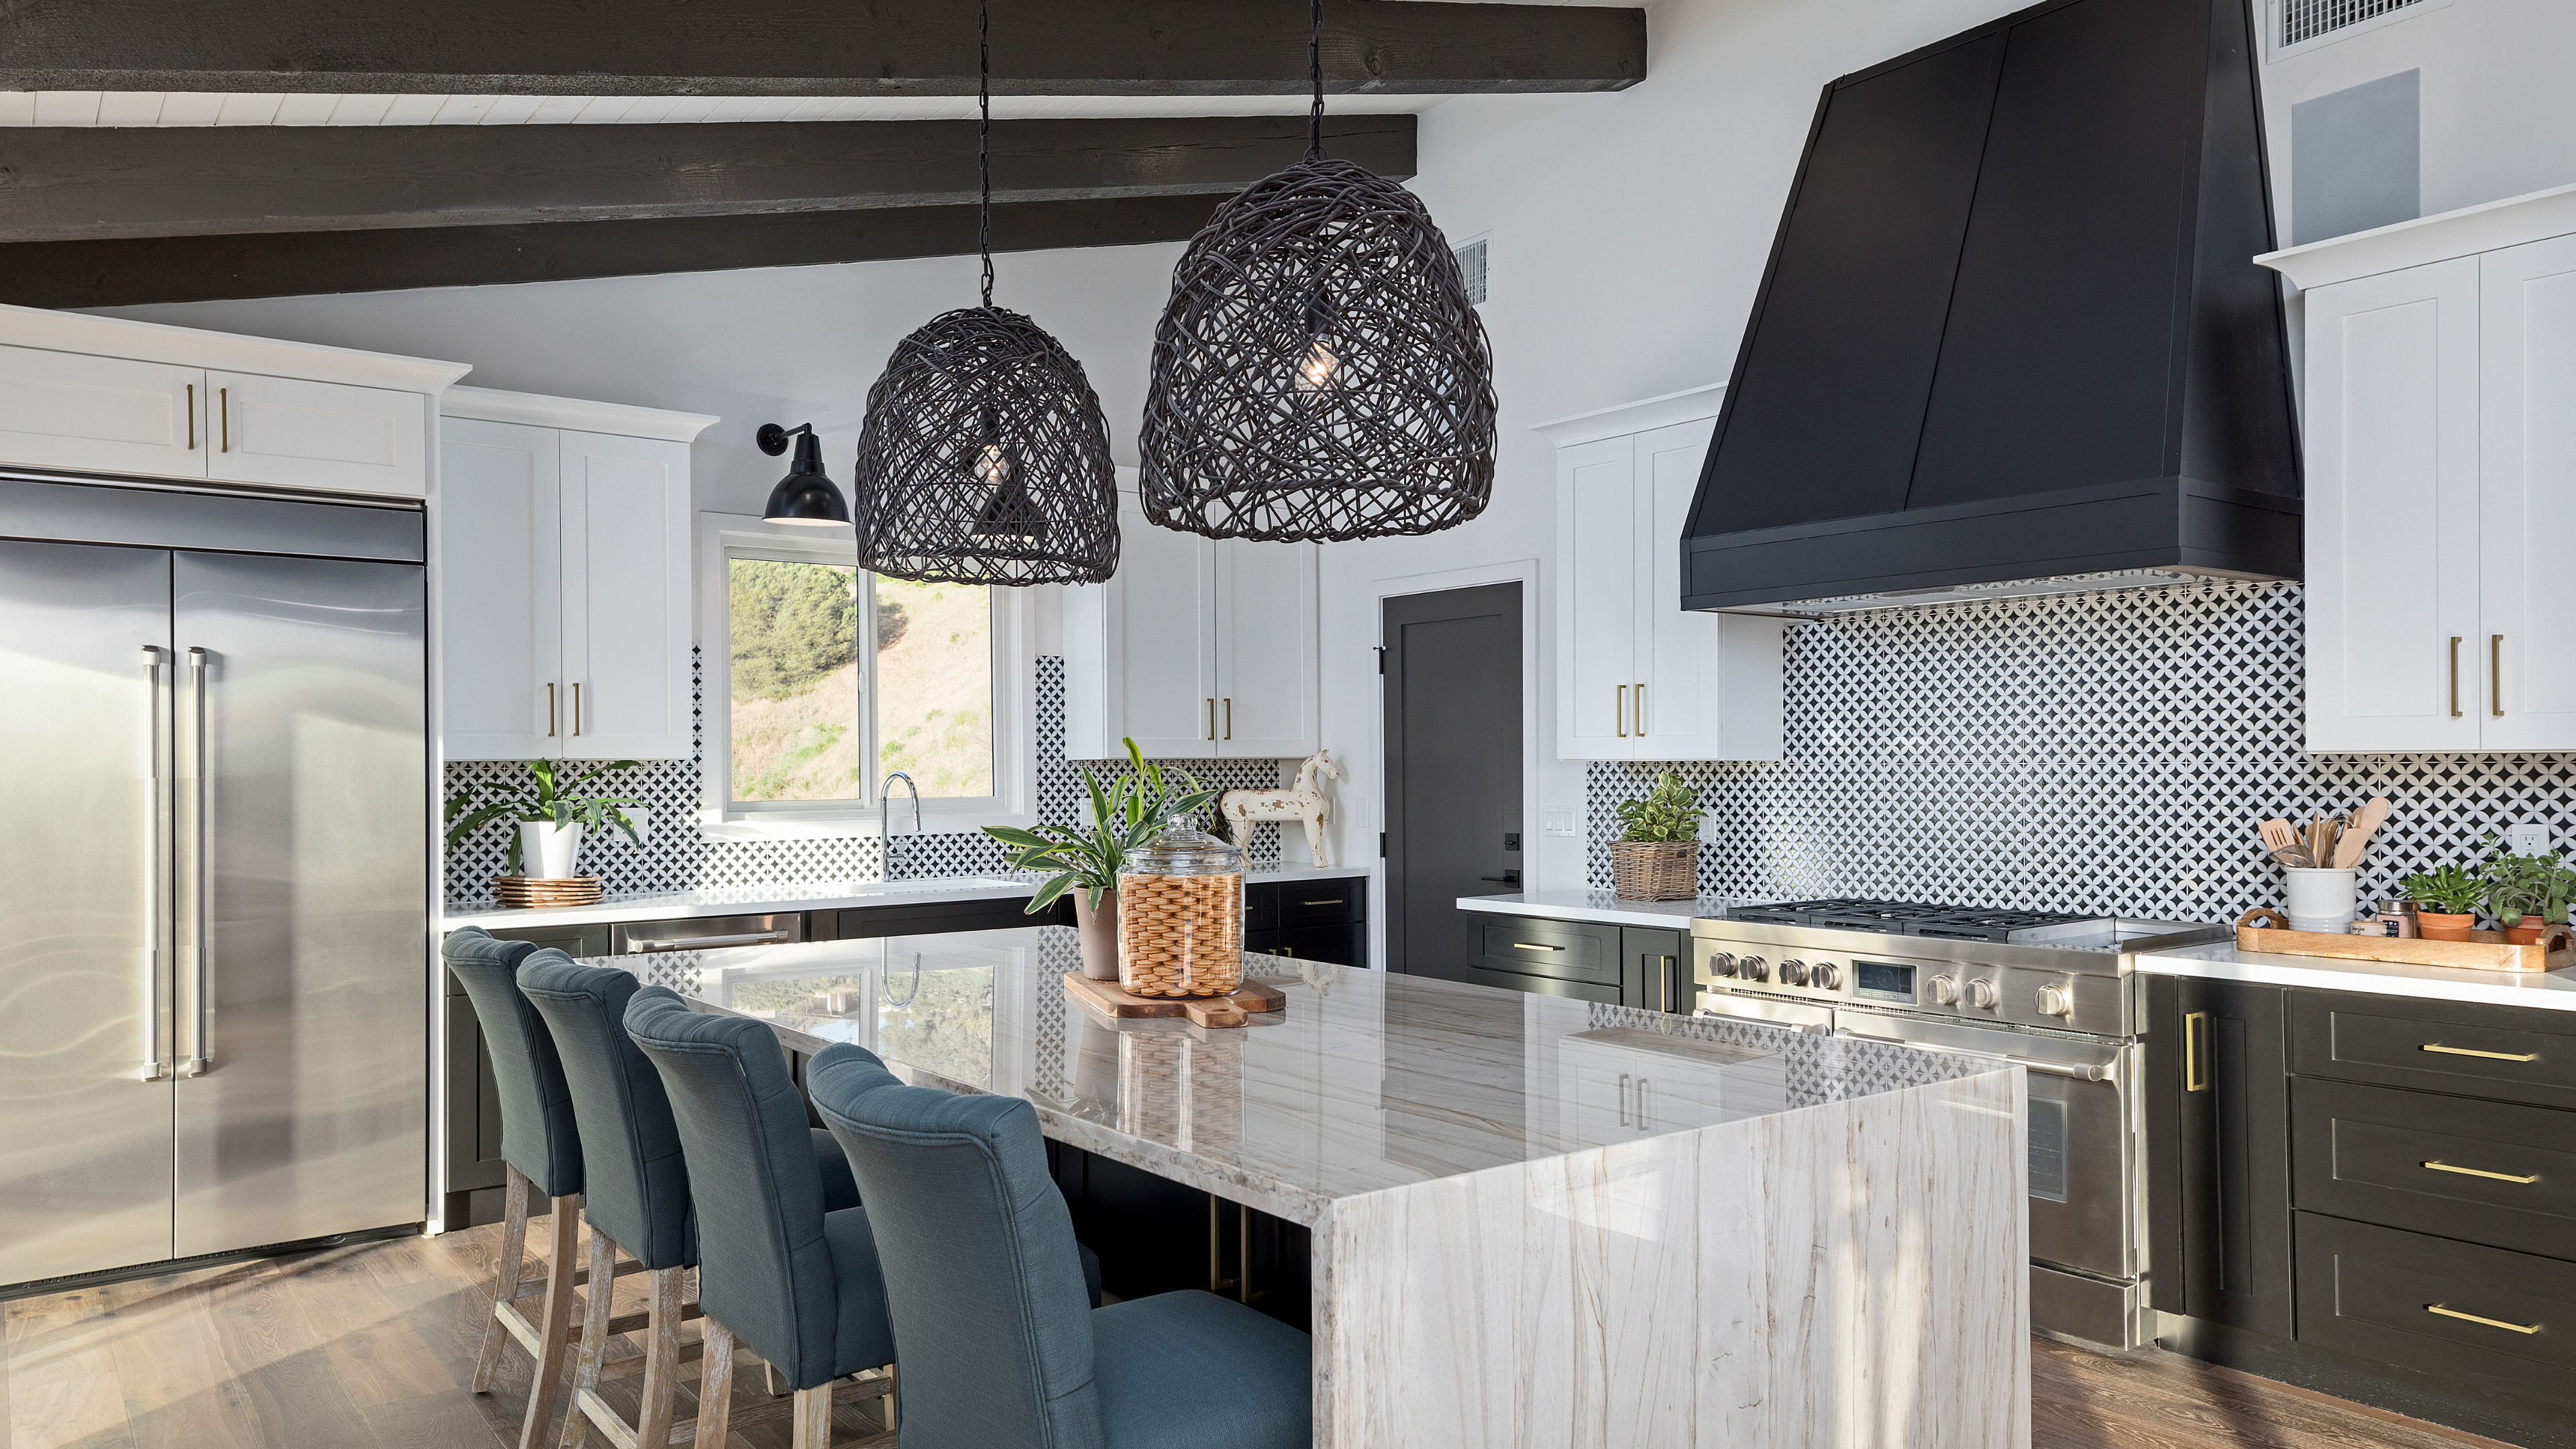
564 579
103 395
294 433
1640 678
2441 481
1196 648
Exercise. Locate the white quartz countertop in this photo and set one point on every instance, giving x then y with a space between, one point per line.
757 900
2550 991
1599 906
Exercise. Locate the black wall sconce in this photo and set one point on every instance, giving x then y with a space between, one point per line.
807 494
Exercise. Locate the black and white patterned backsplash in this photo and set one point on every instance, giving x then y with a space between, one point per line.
2105 752
676 856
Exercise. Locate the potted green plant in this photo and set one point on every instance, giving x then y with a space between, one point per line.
1126 814
551 813
1656 857
2528 894
2446 901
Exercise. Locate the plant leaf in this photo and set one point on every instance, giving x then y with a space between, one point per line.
1046 895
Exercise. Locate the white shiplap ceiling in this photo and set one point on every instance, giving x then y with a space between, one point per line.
216 108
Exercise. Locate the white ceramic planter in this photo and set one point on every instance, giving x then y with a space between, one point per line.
2321 900
549 851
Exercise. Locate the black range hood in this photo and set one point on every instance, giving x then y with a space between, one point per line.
2012 339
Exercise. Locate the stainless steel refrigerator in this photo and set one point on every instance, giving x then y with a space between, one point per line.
214 873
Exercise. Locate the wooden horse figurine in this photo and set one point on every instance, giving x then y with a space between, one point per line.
1304 801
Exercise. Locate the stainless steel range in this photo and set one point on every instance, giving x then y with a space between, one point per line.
2050 992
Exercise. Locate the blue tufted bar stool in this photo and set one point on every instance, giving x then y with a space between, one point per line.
542 1147
999 1346
777 1270
638 1200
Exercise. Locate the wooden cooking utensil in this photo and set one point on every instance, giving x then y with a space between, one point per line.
2278 839
2365 824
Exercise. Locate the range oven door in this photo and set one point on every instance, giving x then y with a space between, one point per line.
2081 1151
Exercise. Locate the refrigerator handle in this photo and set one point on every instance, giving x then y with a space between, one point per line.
201 1056
156 1067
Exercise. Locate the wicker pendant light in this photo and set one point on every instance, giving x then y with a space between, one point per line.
984 458
1319 372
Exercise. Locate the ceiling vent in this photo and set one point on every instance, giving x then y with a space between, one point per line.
1471 269
2302 23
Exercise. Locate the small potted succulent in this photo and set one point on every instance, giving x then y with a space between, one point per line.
1132 811
552 814
1656 857
2528 894
2446 901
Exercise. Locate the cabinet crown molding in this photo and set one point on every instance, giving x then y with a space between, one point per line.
1687 406
2490 226
222 351
492 405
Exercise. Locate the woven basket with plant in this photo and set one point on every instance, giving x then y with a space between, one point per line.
1656 857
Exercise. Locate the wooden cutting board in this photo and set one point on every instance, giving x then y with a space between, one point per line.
1211 1011
2483 951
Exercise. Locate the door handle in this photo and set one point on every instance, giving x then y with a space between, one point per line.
703 943
1623 1099
2495 675
201 1057
156 1067
2455 676
1644 1085
1229 718
2482 1172
550 709
2085 1072
192 417
2489 1322
1619 711
1509 877
1534 946
576 709
2194 1027
1640 720
1672 984
224 417
2452 1051
1211 724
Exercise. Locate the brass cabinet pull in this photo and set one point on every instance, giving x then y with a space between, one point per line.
1619 711
1211 726
2450 1051
1641 709
2481 1172
2489 1322
2194 1027
550 709
2495 675
224 417
1533 946
2455 676
1229 717
576 708
192 417
1319 903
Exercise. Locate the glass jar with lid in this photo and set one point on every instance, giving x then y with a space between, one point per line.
1180 916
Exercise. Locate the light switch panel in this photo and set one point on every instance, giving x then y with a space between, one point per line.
1559 822
2529 839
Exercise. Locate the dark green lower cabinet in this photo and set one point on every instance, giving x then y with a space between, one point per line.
2487 1317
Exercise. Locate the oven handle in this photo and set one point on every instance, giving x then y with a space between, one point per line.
2088 1072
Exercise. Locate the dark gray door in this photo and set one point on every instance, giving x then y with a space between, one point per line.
1453 767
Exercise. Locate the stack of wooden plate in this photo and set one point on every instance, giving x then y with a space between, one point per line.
529 890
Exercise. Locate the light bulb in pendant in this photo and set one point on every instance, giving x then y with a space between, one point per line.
1318 372
1008 515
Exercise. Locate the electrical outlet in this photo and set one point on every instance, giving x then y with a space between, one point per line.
2528 839
643 819
1558 821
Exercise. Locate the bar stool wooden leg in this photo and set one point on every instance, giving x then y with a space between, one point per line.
547 1377
813 1418
661 1357
715 1386
505 1277
594 1337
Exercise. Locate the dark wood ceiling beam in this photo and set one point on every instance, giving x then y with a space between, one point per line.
812 47
80 183
127 272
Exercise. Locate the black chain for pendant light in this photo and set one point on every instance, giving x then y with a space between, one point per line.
1319 373
985 458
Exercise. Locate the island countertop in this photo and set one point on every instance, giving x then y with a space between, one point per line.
1533 1220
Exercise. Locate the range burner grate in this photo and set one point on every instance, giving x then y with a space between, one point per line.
1910 918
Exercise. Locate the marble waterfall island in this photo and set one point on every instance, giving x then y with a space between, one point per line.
1535 1221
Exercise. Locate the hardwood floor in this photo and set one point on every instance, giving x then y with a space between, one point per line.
370 1347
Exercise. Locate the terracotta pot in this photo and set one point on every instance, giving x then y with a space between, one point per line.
2444 926
2529 932
1099 930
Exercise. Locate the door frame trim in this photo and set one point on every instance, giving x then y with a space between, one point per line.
1522 571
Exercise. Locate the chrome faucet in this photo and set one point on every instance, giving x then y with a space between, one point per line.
885 822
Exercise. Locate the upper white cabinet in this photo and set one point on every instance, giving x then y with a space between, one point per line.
1196 648
1639 678
563 558
100 395
2441 480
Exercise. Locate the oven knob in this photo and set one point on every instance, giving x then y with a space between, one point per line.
1945 990
1982 994
2056 1000
1828 976
1721 963
1793 973
1753 968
